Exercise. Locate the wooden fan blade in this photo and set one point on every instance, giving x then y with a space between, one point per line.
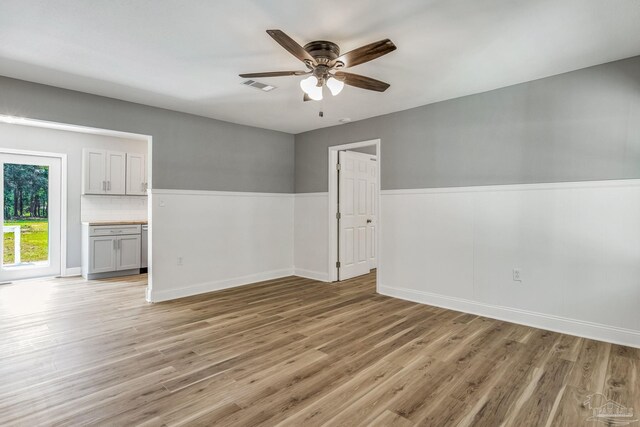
306 98
274 74
292 46
366 53
361 81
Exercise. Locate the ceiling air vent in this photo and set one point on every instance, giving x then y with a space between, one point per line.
263 87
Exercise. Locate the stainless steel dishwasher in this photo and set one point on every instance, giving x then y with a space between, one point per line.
144 249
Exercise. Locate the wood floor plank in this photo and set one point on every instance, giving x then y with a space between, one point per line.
537 408
492 408
388 418
590 368
571 410
340 398
288 352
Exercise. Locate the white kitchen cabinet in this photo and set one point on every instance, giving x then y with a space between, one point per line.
102 254
128 252
94 172
110 250
103 172
136 174
116 172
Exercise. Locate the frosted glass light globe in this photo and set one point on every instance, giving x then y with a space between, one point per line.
335 85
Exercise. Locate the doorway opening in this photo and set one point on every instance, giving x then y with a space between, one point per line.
46 231
32 189
354 200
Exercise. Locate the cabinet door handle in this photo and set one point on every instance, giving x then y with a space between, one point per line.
104 185
115 244
108 185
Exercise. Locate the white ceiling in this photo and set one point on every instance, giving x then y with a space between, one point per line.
186 55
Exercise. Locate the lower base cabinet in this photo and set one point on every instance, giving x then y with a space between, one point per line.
102 254
108 250
128 252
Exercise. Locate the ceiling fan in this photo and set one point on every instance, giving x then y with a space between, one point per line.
324 65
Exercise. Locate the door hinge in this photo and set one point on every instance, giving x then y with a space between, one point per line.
338 264
338 216
337 166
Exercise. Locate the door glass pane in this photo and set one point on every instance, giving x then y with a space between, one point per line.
26 215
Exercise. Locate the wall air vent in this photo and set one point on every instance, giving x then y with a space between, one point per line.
261 86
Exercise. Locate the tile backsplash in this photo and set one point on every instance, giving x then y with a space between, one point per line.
113 208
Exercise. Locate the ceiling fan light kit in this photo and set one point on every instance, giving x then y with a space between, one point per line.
335 85
324 65
311 87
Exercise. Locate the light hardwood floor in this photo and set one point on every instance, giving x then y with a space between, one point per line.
289 351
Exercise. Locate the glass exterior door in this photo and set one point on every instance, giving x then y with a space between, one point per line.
30 216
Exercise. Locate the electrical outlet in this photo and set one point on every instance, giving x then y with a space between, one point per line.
517 275
179 260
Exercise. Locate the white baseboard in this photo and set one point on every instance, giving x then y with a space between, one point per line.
201 288
308 274
537 320
73 271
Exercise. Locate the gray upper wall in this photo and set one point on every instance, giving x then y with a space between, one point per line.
579 126
189 152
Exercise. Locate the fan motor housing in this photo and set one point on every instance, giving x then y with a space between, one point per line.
322 51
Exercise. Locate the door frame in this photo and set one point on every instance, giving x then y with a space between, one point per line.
63 196
333 202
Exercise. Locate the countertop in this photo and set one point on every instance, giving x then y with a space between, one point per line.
114 222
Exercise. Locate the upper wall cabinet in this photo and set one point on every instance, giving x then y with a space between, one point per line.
94 171
108 172
136 174
116 172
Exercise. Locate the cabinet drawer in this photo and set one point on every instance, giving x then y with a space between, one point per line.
113 230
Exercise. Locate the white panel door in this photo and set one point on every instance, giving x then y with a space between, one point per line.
116 172
94 179
128 254
136 174
352 205
372 211
102 254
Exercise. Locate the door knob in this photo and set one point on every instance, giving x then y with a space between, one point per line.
369 221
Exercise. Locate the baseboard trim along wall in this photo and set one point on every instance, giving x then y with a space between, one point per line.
537 320
218 285
321 276
71 272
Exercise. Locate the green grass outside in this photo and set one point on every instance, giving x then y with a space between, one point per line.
34 245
